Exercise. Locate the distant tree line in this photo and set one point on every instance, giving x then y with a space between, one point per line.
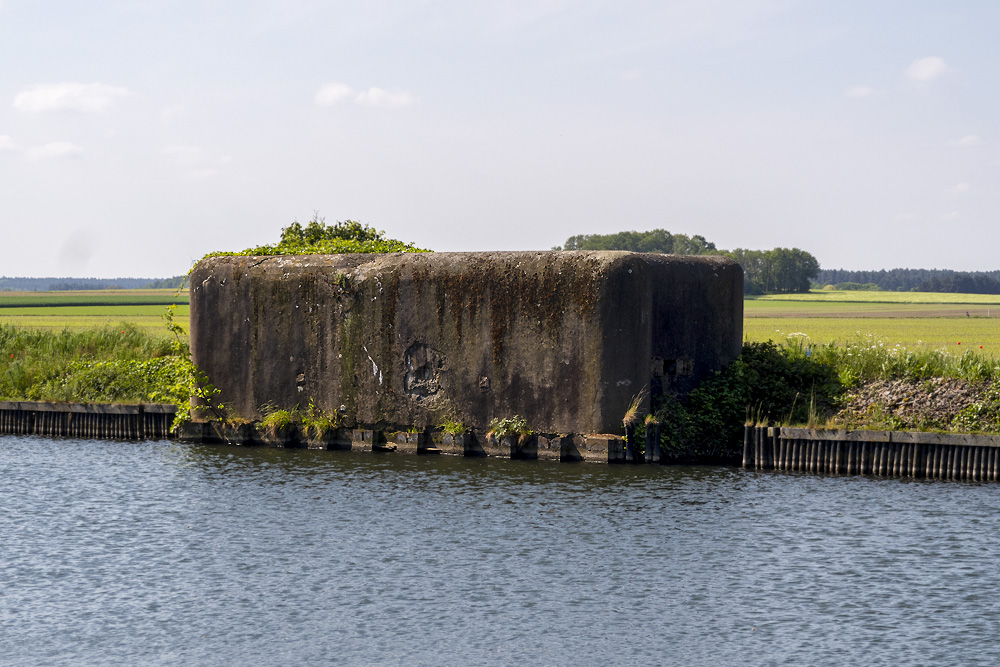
65 284
855 287
916 280
168 283
657 240
776 270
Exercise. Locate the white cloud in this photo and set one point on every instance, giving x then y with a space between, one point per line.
7 144
925 70
201 174
332 94
961 189
195 162
967 140
53 150
184 154
173 112
949 217
376 97
860 91
83 97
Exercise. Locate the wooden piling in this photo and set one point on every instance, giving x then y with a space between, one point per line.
127 422
775 448
747 431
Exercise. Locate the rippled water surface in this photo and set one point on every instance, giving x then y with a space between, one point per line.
159 553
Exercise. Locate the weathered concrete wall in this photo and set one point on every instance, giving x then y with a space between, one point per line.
564 339
697 319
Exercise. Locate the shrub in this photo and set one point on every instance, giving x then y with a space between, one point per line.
515 425
766 383
454 427
317 423
318 238
277 420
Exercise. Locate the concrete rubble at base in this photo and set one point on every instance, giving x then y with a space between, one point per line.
594 448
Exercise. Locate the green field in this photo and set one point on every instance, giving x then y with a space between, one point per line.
846 296
149 297
956 322
89 309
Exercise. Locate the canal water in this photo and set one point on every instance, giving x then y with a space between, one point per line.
159 553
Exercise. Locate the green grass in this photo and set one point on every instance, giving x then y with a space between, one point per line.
77 311
151 325
870 309
108 311
833 296
954 323
148 297
111 363
980 335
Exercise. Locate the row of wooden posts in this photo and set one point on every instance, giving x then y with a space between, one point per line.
882 453
115 421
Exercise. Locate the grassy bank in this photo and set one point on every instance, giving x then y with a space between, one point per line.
111 364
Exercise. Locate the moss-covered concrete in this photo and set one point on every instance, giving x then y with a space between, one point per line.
564 339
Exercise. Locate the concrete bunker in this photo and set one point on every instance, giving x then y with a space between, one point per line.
563 339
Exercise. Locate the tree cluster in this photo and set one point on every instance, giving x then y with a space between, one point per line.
657 240
777 270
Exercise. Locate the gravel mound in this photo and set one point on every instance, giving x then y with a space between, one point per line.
908 404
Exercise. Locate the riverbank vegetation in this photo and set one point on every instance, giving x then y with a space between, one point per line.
862 383
110 364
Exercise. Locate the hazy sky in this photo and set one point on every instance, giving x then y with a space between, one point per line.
137 136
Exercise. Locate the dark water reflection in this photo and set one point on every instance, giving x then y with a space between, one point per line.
165 554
